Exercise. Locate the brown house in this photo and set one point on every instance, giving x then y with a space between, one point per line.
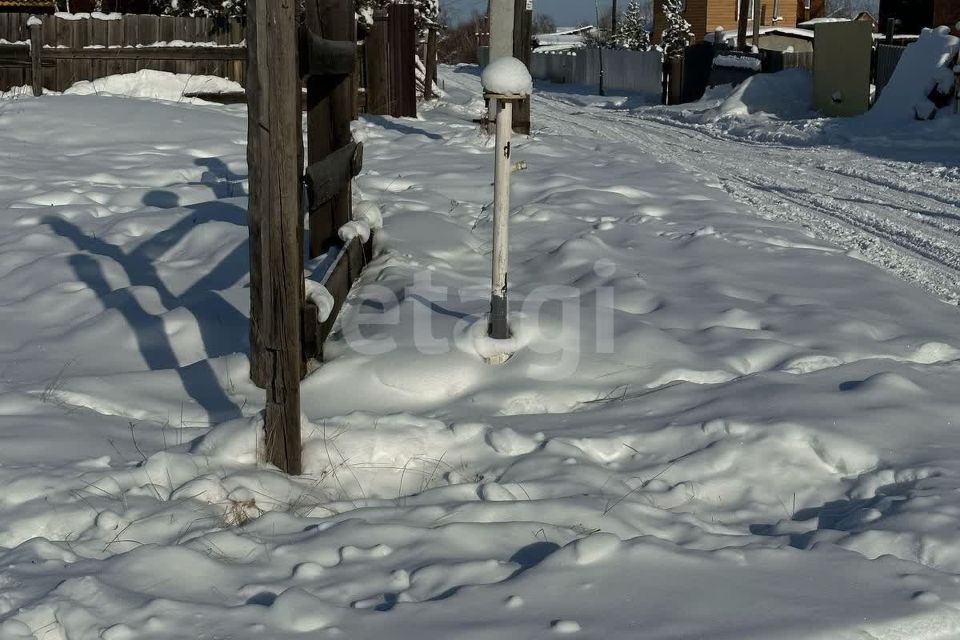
914 15
27 6
810 9
705 16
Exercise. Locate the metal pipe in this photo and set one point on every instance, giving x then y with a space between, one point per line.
499 329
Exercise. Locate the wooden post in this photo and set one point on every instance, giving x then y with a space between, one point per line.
403 60
329 111
430 64
378 68
757 8
276 267
742 24
36 51
522 45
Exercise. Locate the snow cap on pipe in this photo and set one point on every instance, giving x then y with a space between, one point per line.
507 76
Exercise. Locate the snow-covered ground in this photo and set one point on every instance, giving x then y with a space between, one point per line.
718 425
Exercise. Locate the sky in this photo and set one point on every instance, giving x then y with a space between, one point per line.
564 12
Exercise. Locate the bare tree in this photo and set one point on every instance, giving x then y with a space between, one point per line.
542 23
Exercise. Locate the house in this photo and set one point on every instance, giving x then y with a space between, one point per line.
27 6
563 40
705 16
914 15
76 6
811 10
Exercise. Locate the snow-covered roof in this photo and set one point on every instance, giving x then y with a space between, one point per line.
790 32
816 21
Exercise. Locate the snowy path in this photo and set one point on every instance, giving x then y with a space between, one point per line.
901 214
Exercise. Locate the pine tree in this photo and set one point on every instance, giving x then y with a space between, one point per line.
633 32
676 36
206 8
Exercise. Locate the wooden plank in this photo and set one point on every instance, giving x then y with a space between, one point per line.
131 38
274 155
182 30
143 54
97 35
167 33
403 50
82 69
350 262
430 63
63 37
327 178
322 57
115 34
36 59
523 33
378 69
148 33
48 34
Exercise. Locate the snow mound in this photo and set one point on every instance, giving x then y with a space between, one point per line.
154 85
784 95
507 76
916 76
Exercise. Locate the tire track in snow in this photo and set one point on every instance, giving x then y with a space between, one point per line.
894 214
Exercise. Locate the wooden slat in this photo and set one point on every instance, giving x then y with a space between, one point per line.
403 49
351 260
320 57
148 53
115 33
330 176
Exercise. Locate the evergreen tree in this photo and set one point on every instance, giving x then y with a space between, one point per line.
676 36
633 32
209 8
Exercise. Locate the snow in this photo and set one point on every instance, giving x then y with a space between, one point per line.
34 21
714 423
321 297
354 229
916 75
507 76
369 213
737 62
154 85
95 15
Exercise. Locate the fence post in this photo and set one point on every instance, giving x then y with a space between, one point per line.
378 68
742 18
36 52
329 111
430 64
403 64
276 260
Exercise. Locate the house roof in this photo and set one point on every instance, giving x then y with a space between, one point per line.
28 4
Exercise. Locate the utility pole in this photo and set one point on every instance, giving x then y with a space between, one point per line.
596 4
757 13
613 22
742 24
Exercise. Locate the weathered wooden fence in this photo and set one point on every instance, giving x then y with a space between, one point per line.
637 71
87 48
774 61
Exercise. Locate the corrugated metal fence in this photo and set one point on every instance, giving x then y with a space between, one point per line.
84 48
636 71
888 56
